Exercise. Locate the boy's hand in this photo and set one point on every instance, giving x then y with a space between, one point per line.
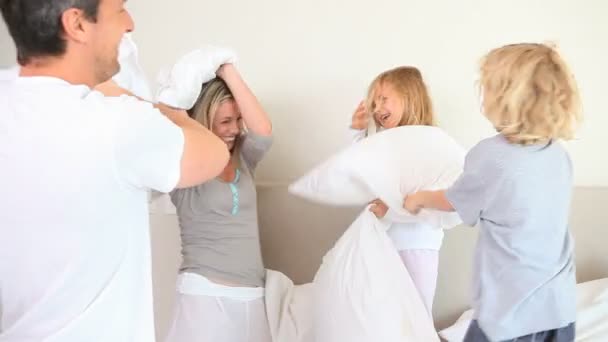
413 203
378 208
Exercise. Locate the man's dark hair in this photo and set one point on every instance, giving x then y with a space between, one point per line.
36 27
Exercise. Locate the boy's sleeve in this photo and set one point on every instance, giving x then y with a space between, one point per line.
468 195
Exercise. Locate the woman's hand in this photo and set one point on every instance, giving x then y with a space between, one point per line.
181 85
255 117
225 70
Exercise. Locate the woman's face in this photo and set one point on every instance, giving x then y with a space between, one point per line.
227 122
388 106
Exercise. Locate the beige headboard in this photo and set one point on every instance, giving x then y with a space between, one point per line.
296 234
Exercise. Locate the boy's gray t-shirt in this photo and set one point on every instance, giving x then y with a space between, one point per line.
523 273
217 241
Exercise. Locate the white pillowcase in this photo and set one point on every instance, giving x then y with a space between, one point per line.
362 292
180 86
131 75
389 165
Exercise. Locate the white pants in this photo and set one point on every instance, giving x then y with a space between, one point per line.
423 266
209 312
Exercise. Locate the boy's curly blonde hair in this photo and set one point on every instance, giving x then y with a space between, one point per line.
529 93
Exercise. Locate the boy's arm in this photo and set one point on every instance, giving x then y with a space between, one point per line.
427 200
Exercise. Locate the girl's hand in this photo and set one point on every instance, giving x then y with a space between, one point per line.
378 208
360 117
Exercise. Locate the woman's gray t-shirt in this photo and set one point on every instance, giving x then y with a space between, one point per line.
219 222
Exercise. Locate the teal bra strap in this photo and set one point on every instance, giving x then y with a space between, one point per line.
235 192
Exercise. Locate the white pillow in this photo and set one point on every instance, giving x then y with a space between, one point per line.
388 165
131 75
181 85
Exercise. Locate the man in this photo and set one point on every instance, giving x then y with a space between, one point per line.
75 170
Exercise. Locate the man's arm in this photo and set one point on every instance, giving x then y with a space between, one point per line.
204 155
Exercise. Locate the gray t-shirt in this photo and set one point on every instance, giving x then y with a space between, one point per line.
524 275
219 223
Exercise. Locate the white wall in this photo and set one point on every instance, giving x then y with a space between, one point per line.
7 48
311 61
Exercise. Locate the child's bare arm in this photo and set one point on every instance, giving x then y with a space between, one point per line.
427 199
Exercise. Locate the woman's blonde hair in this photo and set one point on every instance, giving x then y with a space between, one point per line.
408 83
529 93
212 94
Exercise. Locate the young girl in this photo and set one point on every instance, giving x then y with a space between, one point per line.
220 291
517 185
399 97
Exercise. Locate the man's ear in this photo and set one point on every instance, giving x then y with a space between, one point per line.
76 26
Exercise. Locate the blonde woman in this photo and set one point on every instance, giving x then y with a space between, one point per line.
220 290
399 97
517 186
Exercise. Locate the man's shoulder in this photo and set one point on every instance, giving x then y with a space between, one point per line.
119 105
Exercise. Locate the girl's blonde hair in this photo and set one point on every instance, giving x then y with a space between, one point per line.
408 83
529 93
213 93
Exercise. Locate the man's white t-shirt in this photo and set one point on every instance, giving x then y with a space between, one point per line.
75 170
